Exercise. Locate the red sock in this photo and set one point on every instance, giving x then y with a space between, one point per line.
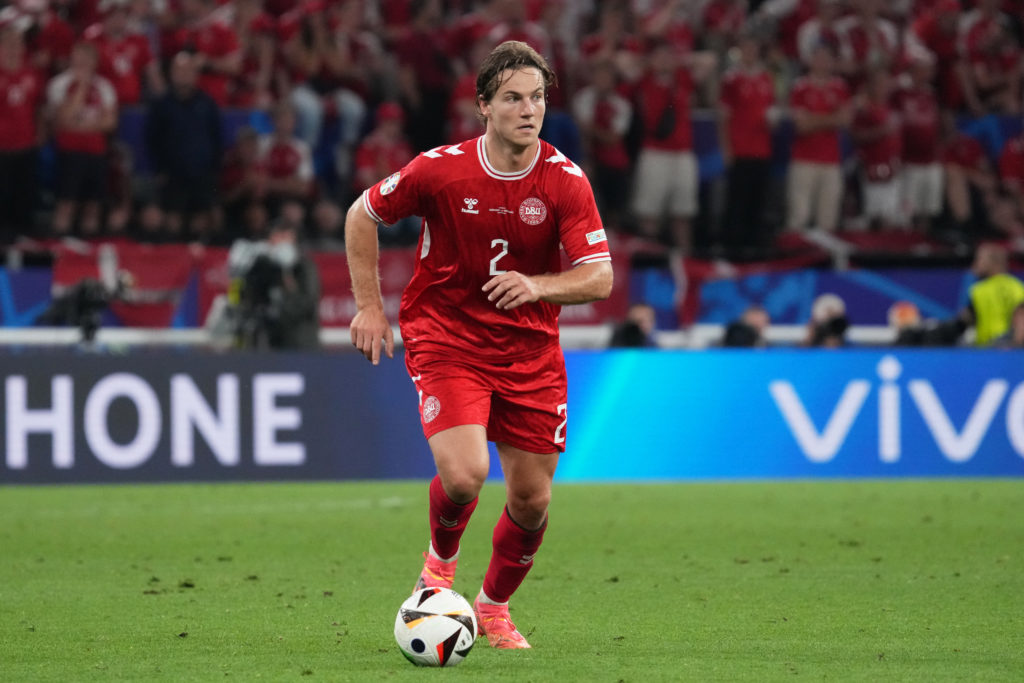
512 557
448 520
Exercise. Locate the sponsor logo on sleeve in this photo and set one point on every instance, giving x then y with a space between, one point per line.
596 236
390 183
532 211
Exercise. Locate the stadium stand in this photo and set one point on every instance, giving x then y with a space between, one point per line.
952 79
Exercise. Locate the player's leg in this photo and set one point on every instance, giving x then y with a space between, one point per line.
520 530
528 421
460 454
517 538
454 402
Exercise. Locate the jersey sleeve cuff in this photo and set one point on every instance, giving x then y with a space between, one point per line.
369 209
593 258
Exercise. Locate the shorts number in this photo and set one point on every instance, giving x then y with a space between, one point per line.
494 261
563 409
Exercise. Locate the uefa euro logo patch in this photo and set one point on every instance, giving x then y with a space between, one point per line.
533 211
390 183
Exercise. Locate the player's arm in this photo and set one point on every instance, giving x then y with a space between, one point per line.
584 283
370 327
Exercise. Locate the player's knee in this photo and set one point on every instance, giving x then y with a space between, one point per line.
464 485
529 508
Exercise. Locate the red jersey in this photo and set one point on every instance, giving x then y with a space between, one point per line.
83 13
477 223
528 32
790 23
976 31
285 158
941 39
966 152
997 59
725 16
466 32
1011 164
212 39
665 108
869 45
814 33
380 154
747 95
50 43
122 61
20 94
677 32
420 52
920 115
610 114
460 125
880 158
99 98
818 97
598 44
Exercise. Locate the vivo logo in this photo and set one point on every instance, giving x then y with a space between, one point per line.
957 445
172 416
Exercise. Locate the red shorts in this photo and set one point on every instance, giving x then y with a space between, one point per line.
521 403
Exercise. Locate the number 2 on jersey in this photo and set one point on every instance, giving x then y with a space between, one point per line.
563 409
503 244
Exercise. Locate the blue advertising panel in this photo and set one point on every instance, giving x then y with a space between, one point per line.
794 413
633 415
166 416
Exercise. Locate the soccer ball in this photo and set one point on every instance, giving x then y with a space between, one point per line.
435 627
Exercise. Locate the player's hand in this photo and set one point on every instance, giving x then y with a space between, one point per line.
511 290
369 329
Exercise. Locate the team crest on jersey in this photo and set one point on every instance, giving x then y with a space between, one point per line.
431 409
390 183
533 211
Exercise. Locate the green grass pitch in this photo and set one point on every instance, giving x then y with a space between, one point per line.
861 580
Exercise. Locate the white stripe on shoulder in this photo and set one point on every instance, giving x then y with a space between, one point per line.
369 209
593 258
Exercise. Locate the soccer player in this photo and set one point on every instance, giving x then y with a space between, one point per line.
479 318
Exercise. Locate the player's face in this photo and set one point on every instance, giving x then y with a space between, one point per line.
516 112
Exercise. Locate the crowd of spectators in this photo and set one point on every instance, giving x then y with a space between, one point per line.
871 100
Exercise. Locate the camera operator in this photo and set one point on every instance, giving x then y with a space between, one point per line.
83 304
278 292
828 324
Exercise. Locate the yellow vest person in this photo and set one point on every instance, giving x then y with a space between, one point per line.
994 297
993 300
